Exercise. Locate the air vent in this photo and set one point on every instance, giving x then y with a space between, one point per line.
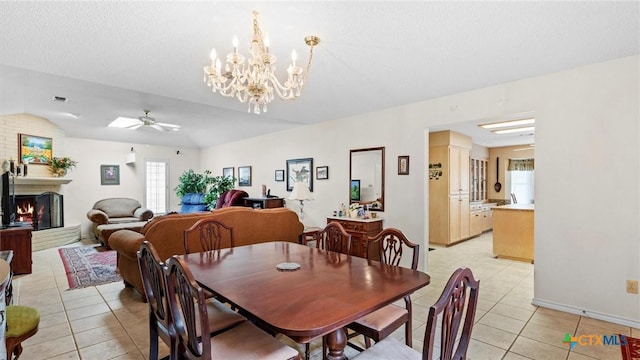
59 99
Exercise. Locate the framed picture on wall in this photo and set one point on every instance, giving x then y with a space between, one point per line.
34 150
403 165
322 172
279 176
109 174
300 170
227 172
244 175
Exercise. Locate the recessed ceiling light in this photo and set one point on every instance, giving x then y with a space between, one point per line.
514 130
509 123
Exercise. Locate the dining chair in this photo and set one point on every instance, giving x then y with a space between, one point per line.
243 341
381 323
457 301
213 235
334 238
152 272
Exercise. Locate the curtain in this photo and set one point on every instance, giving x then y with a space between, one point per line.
520 165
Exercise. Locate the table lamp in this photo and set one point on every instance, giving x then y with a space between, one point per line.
301 193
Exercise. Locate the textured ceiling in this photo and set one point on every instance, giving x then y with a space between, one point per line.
116 58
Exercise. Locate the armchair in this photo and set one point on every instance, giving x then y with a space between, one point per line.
109 215
231 198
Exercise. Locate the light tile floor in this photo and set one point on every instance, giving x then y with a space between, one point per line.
110 322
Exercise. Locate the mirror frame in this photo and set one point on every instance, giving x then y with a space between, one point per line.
380 148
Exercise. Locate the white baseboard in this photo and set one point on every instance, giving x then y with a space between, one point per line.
587 313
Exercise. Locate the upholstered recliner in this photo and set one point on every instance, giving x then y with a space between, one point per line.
231 198
110 215
193 202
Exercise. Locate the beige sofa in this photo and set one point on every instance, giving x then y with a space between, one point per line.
112 214
166 233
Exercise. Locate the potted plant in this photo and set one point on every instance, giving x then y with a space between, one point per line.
60 165
191 182
219 184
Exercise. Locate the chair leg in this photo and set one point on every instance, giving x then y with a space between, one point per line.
306 351
408 333
367 342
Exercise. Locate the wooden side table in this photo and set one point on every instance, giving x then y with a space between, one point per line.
263 203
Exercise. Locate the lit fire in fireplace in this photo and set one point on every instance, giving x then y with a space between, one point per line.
25 212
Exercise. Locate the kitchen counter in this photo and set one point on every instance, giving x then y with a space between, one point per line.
513 232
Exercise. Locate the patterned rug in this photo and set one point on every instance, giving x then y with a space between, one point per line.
89 266
630 348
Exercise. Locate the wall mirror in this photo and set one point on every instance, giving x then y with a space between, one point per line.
366 177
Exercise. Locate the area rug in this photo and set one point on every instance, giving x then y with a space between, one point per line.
89 266
630 348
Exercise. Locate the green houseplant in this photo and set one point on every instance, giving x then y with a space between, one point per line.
192 182
219 184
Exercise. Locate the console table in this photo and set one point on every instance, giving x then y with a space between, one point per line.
18 239
360 230
263 203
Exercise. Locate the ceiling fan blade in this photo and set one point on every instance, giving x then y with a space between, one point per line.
171 126
133 127
158 127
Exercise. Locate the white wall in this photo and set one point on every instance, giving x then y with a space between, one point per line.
85 190
587 177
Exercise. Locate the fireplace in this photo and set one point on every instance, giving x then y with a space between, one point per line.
44 211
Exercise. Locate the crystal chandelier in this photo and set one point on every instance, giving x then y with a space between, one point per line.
254 81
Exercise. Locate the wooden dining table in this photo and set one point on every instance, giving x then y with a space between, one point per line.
327 292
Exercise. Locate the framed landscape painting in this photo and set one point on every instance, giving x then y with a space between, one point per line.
34 150
322 172
244 175
227 172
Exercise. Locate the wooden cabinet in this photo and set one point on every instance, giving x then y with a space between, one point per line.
513 232
478 180
487 218
18 239
360 230
449 219
475 221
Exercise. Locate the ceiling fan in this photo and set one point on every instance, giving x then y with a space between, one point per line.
146 120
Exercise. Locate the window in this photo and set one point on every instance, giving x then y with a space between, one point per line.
156 187
522 186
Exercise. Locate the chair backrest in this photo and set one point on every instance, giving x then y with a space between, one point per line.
391 244
459 298
153 280
213 235
231 198
186 299
334 238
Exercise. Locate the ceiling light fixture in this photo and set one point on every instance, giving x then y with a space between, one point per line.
509 123
514 130
255 80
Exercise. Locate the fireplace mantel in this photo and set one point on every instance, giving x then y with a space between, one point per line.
31 180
